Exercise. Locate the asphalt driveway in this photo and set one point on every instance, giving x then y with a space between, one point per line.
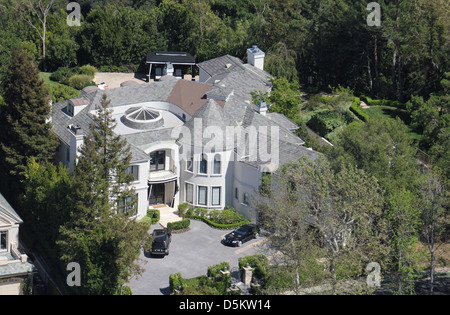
190 254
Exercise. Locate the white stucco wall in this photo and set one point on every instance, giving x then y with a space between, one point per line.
208 180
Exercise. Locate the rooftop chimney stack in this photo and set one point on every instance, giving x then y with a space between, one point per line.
262 107
255 57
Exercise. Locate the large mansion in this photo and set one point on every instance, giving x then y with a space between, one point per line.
202 142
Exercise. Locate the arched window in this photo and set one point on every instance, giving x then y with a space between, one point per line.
203 164
216 169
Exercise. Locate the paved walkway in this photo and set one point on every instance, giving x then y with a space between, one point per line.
167 214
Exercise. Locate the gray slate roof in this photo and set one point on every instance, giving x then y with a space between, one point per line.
8 210
231 83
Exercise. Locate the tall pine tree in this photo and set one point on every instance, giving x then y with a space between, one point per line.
101 235
25 131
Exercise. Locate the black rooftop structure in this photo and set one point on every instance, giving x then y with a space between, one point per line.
174 57
167 62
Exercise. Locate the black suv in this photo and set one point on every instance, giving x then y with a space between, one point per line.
241 235
161 242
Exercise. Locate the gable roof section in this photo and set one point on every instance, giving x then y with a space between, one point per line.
211 114
188 95
221 64
7 213
239 80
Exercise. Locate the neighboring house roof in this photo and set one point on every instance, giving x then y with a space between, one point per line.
7 213
175 57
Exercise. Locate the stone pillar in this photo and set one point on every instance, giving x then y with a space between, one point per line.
248 274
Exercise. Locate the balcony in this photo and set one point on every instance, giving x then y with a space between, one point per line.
160 177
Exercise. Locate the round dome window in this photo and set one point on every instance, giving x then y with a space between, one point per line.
142 118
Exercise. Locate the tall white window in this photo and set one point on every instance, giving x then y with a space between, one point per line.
202 195
203 164
189 193
157 161
127 205
215 196
216 169
134 169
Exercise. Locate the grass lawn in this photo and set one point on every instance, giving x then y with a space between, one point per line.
392 113
46 77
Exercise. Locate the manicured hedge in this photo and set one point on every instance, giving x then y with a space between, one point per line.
356 109
371 102
178 225
326 121
227 218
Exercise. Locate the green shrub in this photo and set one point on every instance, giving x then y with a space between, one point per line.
324 122
190 212
126 290
80 81
356 109
215 271
371 102
175 281
182 209
154 214
63 74
178 225
259 262
218 225
202 212
62 92
88 70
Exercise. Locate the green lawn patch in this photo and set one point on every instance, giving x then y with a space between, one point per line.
393 113
46 77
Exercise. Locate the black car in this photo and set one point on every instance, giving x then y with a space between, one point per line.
161 242
241 235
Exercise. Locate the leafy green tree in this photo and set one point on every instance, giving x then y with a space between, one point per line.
317 212
280 62
434 201
101 236
382 148
25 131
404 217
44 202
284 98
114 36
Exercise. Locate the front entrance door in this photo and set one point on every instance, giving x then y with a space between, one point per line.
157 192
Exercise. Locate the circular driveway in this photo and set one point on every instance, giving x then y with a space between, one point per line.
191 253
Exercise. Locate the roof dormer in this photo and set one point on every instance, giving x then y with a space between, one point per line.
76 105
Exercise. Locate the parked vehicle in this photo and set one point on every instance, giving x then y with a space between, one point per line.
161 242
241 235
